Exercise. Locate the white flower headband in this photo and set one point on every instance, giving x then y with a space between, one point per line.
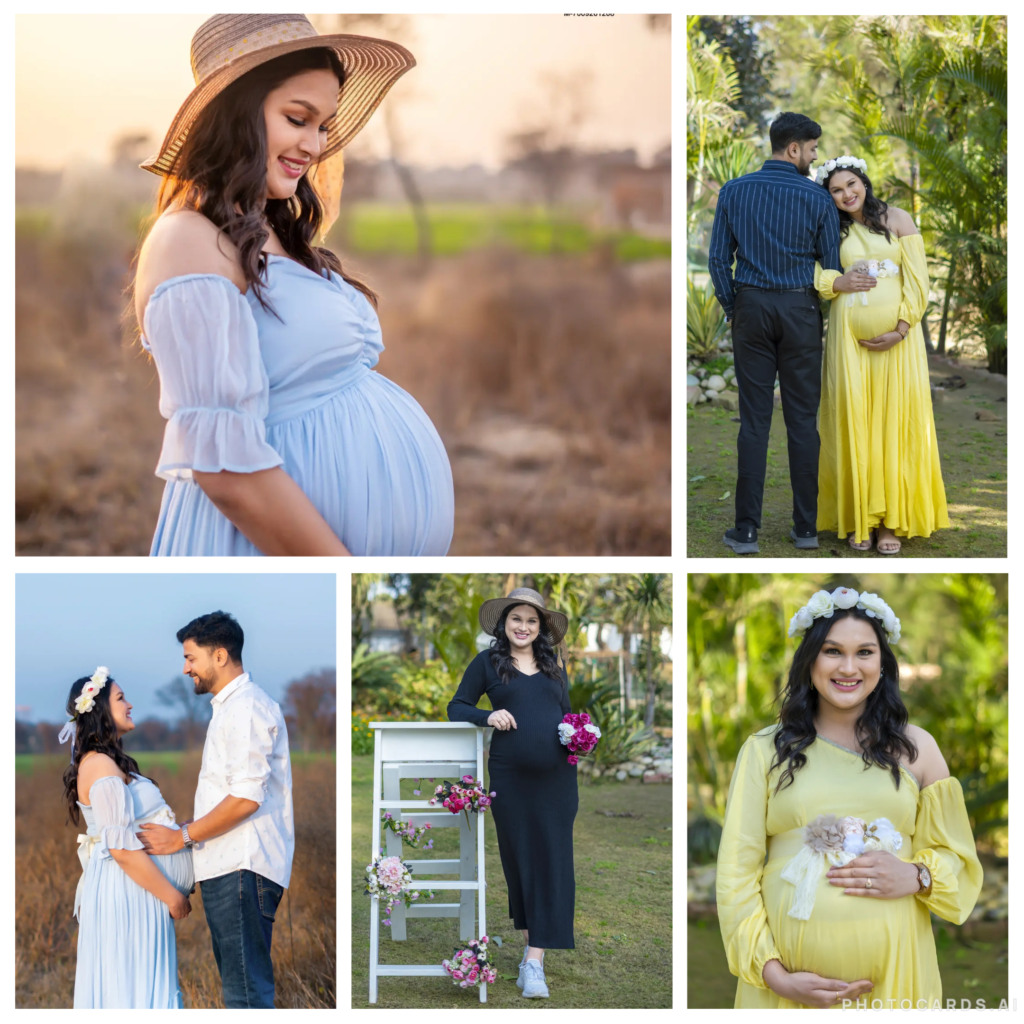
85 701
840 161
823 605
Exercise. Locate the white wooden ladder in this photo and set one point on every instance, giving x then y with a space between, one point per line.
424 750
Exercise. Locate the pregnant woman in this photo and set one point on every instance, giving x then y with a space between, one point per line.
537 799
127 901
878 471
281 437
864 830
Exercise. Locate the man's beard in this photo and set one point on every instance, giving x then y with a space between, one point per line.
201 685
804 169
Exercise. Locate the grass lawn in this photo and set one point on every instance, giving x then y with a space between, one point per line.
974 972
623 954
972 452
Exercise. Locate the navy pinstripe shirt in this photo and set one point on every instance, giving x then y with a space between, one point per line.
776 223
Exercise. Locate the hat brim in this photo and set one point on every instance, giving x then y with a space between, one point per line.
372 66
490 613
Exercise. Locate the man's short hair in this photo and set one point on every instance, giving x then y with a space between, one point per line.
218 629
789 127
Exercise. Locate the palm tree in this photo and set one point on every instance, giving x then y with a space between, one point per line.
647 605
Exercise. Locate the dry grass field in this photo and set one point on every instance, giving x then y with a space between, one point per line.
47 871
548 378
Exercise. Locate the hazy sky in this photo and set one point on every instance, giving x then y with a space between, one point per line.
83 80
67 624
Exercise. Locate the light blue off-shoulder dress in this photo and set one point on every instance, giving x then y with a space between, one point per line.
127 956
244 391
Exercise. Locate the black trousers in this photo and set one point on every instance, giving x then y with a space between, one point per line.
777 331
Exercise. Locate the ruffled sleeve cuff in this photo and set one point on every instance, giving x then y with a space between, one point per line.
119 837
212 440
944 843
823 280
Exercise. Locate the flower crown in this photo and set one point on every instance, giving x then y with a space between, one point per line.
840 161
86 700
823 605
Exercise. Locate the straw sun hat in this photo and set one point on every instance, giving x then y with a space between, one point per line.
226 46
490 613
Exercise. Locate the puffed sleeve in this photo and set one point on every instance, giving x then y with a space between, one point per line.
914 272
214 390
462 707
113 812
823 280
944 843
248 733
741 913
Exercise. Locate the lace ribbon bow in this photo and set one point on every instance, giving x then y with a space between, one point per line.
831 841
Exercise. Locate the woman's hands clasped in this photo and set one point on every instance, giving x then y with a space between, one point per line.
501 720
810 989
889 876
180 907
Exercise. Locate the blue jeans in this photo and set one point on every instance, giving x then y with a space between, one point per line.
240 909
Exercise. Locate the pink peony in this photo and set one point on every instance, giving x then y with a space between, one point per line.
458 974
572 759
484 939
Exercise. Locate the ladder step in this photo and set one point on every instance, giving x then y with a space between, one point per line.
440 883
443 866
413 970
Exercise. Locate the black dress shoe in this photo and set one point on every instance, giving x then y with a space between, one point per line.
743 540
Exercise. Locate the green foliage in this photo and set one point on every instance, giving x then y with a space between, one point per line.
705 321
738 658
622 739
753 61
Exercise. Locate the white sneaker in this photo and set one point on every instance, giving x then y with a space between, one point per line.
522 968
534 982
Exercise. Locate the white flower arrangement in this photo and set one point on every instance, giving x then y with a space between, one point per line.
840 161
86 700
823 605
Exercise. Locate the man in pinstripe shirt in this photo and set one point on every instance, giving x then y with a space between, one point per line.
776 223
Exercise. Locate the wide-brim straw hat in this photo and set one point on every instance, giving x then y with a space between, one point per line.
490 613
227 46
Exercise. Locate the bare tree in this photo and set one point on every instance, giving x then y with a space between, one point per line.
194 712
311 711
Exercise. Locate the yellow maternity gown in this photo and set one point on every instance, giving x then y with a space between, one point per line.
846 937
879 461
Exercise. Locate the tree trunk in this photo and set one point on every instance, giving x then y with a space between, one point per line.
627 667
950 279
649 711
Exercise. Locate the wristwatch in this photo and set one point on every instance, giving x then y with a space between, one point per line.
189 843
924 879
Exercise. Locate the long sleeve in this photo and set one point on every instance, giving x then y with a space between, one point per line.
214 390
113 813
462 707
823 281
720 256
944 843
914 273
749 944
827 243
247 731
566 706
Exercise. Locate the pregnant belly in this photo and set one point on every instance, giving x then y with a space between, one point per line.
177 869
847 937
881 313
535 750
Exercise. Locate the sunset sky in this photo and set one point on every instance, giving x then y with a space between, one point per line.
83 80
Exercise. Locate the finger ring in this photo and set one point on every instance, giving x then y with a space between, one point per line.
867 884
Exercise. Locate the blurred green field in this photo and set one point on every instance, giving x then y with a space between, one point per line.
169 760
389 229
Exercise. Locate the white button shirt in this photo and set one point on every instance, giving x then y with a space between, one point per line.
246 755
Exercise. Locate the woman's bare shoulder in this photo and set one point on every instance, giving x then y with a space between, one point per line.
900 221
929 766
184 242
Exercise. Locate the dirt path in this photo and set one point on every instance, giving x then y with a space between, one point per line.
973 454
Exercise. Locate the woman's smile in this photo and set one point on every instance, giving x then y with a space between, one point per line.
846 685
293 168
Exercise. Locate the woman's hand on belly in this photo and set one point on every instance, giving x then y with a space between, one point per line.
811 989
890 877
883 342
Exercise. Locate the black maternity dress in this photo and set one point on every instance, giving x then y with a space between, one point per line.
536 800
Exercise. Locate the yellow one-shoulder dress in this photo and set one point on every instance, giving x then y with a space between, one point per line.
846 937
879 461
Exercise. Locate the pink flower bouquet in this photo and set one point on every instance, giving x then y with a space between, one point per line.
468 794
411 834
390 879
579 734
471 965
